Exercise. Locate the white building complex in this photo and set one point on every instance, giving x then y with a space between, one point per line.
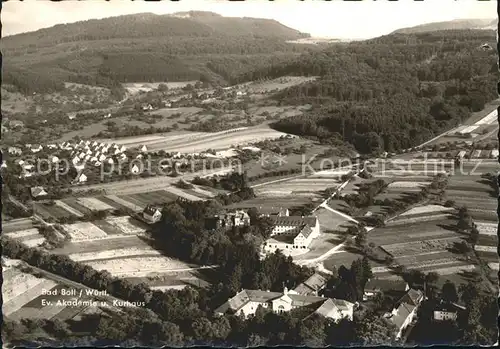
246 303
292 233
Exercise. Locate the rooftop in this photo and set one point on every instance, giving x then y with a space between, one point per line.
296 221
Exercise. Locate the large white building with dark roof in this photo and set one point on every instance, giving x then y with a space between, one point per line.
292 234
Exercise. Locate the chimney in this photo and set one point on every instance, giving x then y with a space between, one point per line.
285 290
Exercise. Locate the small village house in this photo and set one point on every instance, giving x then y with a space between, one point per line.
151 214
37 192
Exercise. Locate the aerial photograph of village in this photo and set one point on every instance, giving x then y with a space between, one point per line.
229 175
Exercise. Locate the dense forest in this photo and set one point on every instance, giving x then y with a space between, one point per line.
392 92
144 47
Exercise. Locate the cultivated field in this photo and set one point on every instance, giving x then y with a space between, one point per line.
68 208
29 237
115 245
116 253
127 225
22 295
273 202
487 245
137 141
308 187
94 204
476 194
425 245
84 231
426 209
487 228
218 141
138 266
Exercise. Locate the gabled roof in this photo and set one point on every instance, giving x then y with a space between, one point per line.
151 210
385 285
402 313
412 297
297 221
314 283
38 191
330 304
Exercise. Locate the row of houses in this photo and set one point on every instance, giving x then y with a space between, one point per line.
477 154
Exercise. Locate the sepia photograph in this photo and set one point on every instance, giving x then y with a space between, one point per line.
249 174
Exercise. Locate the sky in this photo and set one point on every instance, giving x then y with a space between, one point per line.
334 19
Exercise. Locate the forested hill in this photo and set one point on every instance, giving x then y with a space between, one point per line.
145 47
148 25
391 92
486 24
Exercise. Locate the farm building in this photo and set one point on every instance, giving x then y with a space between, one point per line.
312 285
405 311
229 219
38 192
291 233
36 149
246 303
378 286
82 178
144 149
448 311
151 214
